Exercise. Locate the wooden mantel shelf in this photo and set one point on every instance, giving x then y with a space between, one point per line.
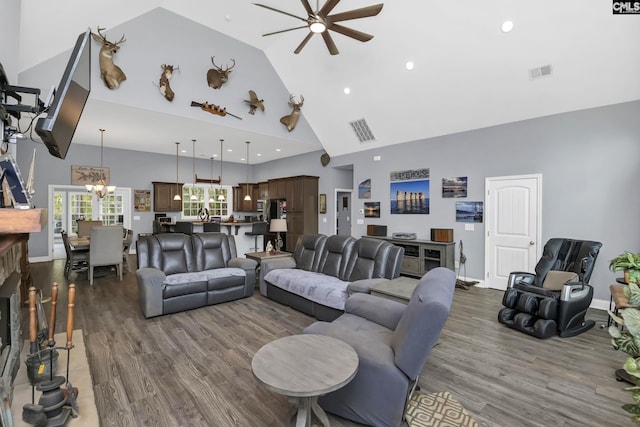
13 221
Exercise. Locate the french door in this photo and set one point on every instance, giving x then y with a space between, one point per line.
72 203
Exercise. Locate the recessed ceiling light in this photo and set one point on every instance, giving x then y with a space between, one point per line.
409 65
507 26
229 150
183 151
347 90
227 18
259 155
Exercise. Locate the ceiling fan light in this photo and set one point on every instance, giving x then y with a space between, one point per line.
317 27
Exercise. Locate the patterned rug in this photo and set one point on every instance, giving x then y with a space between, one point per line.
437 410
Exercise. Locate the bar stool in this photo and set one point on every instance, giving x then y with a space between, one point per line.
257 229
211 226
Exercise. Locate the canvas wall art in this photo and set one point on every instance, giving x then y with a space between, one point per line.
364 189
372 209
409 197
469 211
454 187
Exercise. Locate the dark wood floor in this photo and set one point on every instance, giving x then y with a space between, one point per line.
194 368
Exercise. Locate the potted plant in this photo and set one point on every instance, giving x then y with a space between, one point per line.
627 339
629 263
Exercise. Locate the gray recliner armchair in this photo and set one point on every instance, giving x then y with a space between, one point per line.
393 342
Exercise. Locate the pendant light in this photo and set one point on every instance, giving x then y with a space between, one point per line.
221 196
247 196
100 188
177 196
194 197
211 183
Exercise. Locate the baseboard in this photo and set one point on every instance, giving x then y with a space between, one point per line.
39 259
480 284
600 304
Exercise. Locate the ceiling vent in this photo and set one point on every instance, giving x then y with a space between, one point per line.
537 73
361 128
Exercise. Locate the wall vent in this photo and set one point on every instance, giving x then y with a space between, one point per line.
537 73
361 128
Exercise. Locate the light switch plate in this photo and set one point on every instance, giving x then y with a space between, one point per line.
469 227
136 217
360 221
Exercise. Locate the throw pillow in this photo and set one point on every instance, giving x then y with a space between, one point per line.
556 279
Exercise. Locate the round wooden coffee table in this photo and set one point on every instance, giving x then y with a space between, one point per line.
304 367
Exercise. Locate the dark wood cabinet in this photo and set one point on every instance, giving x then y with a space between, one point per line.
163 194
263 190
302 207
278 188
241 205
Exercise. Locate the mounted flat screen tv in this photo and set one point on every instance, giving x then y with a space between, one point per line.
57 129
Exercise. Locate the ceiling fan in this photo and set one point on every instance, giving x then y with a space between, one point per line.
319 22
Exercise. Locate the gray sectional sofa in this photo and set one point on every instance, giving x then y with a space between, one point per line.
178 272
323 271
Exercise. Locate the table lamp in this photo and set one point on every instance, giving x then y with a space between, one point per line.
278 226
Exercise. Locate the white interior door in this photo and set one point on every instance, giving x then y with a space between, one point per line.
513 226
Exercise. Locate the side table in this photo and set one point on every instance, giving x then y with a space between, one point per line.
399 289
304 367
259 256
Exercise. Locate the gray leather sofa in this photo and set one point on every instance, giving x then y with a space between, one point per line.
323 271
393 342
178 272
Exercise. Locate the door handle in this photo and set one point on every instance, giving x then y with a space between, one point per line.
531 243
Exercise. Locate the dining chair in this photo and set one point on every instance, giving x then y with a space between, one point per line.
106 249
76 258
84 227
127 235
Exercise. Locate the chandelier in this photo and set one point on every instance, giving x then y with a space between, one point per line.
101 188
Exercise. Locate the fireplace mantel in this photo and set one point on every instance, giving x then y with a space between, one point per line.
15 226
16 221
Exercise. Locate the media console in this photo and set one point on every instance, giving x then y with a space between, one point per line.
421 256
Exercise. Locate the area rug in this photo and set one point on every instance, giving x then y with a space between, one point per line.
437 410
79 376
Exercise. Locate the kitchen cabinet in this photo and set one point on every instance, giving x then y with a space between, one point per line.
163 194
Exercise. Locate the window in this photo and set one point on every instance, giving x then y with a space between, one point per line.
205 196
111 209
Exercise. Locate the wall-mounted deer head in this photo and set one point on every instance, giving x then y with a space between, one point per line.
165 77
111 74
216 77
290 120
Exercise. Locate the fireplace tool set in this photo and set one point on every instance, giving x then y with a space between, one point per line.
58 398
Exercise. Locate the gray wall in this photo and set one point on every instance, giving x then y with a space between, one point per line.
589 161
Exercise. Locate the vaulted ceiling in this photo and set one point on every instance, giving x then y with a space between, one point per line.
467 73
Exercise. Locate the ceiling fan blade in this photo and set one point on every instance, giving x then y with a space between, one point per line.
280 11
328 40
363 12
304 42
284 31
350 32
307 7
328 7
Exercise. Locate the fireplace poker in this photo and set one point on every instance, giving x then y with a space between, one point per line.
52 327
32 413
73 392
